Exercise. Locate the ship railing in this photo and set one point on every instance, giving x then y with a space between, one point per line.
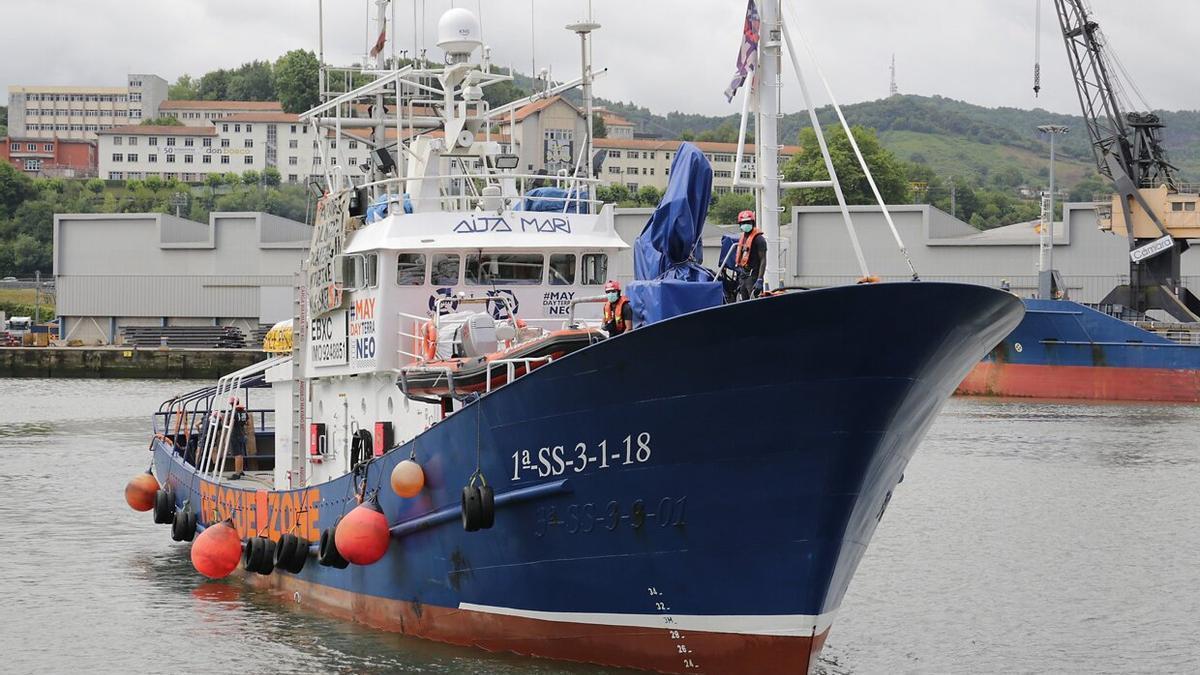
411 338
1183 334
513 368
220 419
460 191
572 323
186 418
406 389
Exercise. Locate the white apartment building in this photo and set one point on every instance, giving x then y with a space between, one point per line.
80 113
234 144
547 134
221 137
615 126
636 162
203 113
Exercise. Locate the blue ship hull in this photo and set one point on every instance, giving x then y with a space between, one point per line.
693 496
1062 349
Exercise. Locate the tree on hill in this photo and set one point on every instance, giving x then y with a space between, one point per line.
15 189
599 128
1090 188
184 89
163 121
297 80
724 208
809 165
252 81
503 93
214 86
726 133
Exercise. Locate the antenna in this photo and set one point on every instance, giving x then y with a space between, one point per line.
1037 49
893 90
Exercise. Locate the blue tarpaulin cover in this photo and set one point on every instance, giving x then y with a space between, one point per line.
378 210
728 244
669 277
554 199
669 246
664 298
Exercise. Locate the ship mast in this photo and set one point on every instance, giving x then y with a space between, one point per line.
584 28
380 109
767 143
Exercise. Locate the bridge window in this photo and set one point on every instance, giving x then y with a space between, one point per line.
489 269
410 269
359 270
595 269
562 269
445 269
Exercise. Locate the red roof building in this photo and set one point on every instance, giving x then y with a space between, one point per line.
51 157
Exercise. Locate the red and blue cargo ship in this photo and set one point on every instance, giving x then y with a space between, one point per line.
1067 350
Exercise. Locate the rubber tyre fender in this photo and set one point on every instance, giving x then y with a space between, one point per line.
299 556
177 526
284 549
487 503
248 552
328 555
266 556
164 506
472 508
189 526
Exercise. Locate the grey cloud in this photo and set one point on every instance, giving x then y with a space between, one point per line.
664 54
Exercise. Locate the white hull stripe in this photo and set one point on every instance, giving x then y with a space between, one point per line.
782 625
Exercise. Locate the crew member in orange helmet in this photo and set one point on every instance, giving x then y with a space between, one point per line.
751 257
618 315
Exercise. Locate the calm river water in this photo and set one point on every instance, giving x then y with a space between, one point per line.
1025 537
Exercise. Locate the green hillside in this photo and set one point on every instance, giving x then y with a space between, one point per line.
991 163
954 137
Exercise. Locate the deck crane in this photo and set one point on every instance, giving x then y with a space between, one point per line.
1149 206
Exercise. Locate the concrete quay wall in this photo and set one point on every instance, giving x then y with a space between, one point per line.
118 362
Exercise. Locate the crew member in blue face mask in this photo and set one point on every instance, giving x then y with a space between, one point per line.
751 258
618 315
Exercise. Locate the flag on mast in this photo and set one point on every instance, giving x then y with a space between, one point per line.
379 43
747 59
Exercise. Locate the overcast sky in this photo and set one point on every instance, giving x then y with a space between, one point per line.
663 54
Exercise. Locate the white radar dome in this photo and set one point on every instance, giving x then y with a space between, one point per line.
459 33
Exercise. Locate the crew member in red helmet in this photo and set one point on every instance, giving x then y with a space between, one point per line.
618 315
751 257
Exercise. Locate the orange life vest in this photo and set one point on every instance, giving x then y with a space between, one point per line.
616 313
745 244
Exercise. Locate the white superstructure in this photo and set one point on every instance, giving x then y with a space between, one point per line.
437 253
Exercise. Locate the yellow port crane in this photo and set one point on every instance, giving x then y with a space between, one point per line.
1148 205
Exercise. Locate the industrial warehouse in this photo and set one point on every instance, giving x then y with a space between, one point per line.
238 269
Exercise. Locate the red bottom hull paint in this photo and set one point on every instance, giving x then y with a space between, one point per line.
614 646
989 378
